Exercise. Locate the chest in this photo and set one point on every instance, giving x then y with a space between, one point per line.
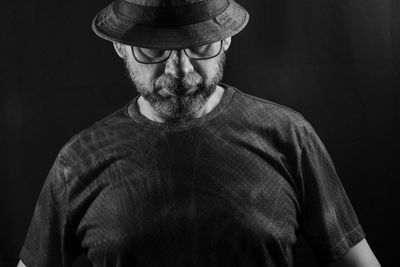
190 196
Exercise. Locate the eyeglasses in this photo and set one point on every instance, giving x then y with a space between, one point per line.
155 56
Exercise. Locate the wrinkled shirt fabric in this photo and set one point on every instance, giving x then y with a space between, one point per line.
232 188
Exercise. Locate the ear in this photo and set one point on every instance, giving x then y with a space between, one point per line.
120 49
226 43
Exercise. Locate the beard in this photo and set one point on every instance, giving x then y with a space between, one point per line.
176 106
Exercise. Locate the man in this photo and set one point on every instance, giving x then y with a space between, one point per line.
191 172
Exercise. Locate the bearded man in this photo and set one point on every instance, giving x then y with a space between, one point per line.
191 172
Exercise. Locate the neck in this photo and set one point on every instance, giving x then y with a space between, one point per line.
150 113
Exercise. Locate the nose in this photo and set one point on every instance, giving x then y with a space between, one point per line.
178 64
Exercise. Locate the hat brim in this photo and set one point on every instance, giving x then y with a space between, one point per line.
109 26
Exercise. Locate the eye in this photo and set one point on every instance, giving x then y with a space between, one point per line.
151 53
203 49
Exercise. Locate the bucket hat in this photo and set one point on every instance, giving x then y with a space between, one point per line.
169 24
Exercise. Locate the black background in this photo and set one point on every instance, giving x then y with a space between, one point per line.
336 62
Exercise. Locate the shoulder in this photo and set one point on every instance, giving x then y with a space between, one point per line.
96 146
267 113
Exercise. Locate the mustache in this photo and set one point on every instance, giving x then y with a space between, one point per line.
173 83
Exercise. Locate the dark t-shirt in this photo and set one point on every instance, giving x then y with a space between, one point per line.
233 188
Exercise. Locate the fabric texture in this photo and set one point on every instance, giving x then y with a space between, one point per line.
232 188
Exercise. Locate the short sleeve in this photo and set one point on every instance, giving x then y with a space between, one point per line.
329 221
48 241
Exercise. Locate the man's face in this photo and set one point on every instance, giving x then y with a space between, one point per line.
179 87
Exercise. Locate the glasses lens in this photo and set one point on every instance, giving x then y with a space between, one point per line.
150 55
204 51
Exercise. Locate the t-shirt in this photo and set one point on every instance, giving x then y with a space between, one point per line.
232 188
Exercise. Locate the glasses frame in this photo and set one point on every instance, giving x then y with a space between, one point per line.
170 52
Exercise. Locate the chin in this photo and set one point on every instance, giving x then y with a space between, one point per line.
181 107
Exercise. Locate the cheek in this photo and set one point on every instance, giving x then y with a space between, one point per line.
157 70
206 69
148 74
145 73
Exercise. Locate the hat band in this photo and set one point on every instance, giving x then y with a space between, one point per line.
170 16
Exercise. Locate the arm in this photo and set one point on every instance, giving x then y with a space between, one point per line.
360 255
21 264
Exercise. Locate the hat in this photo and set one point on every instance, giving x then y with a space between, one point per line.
169 24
